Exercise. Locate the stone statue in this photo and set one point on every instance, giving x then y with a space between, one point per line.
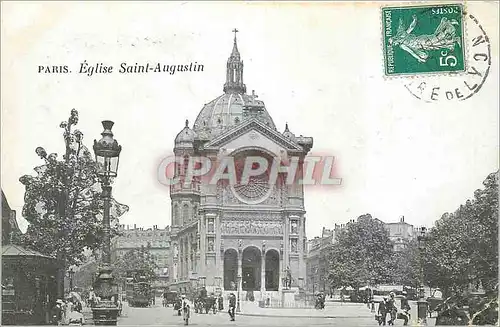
288 278
240 245
210 246
176 250
210 225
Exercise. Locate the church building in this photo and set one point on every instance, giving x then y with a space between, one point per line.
245 236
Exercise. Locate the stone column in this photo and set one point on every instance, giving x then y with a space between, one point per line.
281 269
240 261
189 264
219 259
300 247
263 273
203 246
286 242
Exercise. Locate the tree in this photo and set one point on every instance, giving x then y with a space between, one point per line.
406 267
62 203
361 255
136 260
462 247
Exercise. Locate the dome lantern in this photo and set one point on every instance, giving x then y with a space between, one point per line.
234 71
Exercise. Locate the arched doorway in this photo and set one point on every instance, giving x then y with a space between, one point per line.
250 268
230 269
272 270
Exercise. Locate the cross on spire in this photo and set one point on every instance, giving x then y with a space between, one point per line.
235 31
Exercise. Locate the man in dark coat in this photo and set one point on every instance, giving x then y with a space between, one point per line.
232 306
221 302
382 312
391 308
405 307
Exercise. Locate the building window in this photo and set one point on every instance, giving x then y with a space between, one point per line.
176 219
185 213
210 247
186 164
195 212
211 225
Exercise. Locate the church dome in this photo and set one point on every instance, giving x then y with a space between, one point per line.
226 111
185 138
234 106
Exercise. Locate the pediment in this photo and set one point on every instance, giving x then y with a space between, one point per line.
253 133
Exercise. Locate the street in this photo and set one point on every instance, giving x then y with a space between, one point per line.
158 315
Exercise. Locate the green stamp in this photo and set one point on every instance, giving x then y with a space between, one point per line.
423 39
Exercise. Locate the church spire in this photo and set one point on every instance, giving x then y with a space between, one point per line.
234 71
235 54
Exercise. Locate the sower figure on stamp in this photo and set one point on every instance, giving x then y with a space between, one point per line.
444 37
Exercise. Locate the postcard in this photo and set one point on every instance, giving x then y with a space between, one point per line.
250 163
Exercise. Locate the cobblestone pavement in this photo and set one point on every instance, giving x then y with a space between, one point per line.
159 316
335 314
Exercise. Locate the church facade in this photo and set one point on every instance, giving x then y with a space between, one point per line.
230 236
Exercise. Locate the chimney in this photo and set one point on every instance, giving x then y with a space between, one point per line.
135 226
402 219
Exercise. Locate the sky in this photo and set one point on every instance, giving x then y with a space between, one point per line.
317 67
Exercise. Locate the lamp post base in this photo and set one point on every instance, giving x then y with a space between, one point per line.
105 313
422 311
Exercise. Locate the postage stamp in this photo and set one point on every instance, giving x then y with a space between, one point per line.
423 39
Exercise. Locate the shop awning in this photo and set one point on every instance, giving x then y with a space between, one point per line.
14 250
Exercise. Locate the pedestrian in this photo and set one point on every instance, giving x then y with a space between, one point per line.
232 306
186 307
221 302
382 312
391 308
405 308
57 313
75 318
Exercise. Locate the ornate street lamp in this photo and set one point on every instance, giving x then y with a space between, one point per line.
71 275
238 279
107 154
421 303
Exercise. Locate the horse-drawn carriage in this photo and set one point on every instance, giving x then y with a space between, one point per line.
169 297
203 302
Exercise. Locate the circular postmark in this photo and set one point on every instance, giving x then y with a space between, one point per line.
458 86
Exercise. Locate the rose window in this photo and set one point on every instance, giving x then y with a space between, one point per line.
256 189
